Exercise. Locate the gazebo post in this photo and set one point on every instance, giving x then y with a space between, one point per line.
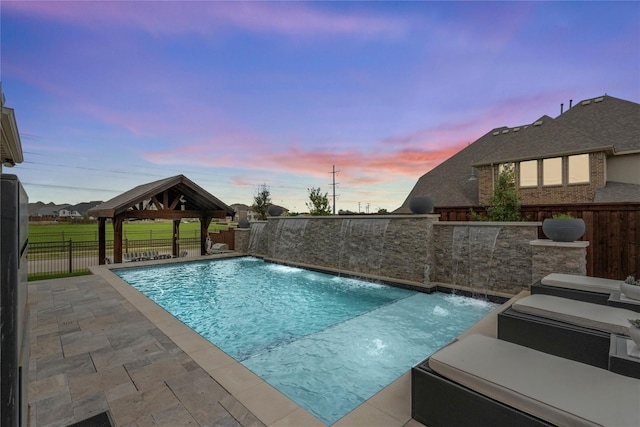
117 238
205 221
102 241
176 234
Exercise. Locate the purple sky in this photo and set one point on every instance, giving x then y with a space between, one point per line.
110 95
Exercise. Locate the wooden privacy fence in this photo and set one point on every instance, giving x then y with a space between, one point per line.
224 236
612 230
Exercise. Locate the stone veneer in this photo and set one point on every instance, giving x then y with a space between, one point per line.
558 257
495 258
385 246
491 257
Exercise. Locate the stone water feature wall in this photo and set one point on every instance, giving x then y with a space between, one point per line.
388 246
494 258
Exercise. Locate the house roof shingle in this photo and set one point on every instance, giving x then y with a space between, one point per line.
599 124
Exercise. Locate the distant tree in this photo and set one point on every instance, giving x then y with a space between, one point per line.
261 202
319 203
382 211
504 204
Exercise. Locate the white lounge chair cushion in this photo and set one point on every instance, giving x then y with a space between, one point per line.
583 283
593 316
560 391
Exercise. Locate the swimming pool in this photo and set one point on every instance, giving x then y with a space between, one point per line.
326 342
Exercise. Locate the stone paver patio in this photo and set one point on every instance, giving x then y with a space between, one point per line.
93 351
97 345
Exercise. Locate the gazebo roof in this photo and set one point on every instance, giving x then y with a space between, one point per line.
164 198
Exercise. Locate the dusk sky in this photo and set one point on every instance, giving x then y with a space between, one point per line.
110 95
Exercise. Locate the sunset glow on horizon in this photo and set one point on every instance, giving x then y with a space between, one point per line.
233 95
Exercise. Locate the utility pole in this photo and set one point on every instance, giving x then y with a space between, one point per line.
333 172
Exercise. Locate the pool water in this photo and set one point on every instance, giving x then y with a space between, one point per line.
328 343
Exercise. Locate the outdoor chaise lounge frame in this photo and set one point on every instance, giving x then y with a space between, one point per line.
583 288
575 330
485 381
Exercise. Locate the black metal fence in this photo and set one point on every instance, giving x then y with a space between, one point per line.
52 259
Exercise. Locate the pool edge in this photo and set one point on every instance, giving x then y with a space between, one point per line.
390 406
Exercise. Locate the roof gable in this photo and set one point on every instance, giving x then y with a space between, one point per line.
168 194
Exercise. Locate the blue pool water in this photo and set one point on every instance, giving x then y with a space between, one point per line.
328 343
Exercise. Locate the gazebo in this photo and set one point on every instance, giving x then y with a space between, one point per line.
172 198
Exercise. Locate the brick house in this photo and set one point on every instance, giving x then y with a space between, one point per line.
588 154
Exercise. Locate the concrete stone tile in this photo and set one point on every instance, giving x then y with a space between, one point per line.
83 342
240 412
56 310
190 341
106 359
123 338
131 409
174 416
89 406
200 395
134 318
83 305
172 326
198 379
299 418
84 386
46 345
267 403
227 421
191 365
55 411
154 374
97 323
366 415
120 391
43 321
235 377
167 343
142 421
68 326
56 364
395 399
105 309
47 387
44 329
212 358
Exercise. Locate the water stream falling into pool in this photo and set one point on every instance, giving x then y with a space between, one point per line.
473 250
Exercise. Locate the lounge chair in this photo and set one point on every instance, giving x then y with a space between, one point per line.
584 288
564 327
484 381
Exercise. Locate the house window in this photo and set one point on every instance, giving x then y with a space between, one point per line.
578 169
552 171
529 173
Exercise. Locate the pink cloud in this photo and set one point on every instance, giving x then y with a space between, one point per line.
209 17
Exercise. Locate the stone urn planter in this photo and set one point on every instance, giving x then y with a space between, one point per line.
634 331
421 205
274 210
563 229
630 288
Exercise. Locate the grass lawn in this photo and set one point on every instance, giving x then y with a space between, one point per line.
138 230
